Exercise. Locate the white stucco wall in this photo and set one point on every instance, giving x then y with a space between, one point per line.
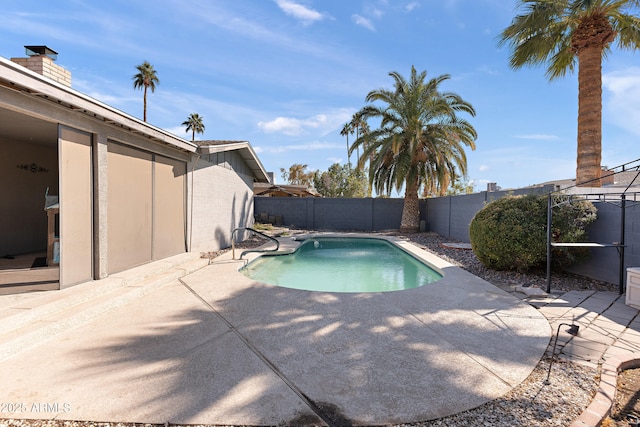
222 192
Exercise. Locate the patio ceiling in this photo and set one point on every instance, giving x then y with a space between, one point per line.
23 128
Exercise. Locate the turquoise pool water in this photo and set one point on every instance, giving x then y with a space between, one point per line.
331 264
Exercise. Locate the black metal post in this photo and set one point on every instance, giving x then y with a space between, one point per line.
573 330
623 205
549 237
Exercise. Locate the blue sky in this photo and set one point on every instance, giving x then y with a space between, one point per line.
286 75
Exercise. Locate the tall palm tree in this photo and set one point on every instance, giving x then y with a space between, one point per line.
346 130
420 139
566 33
145 78
358 125
194 125
361 128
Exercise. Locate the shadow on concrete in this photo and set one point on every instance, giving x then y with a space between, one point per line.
239 352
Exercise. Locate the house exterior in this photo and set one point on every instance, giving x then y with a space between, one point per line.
124 192
621 179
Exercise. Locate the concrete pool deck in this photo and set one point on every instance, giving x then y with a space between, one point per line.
214 347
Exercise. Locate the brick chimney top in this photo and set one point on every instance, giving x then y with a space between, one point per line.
41 50
40 60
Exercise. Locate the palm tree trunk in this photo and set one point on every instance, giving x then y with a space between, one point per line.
411 210
348 156
588 171
144 115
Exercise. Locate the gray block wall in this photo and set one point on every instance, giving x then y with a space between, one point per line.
333 214
604 262
450 216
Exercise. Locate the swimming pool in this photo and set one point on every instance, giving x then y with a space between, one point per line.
343 264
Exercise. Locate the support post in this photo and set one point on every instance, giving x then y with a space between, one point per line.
549 237
623 205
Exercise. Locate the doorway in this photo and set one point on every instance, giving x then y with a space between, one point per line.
29 180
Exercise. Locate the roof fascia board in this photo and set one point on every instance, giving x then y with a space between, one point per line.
244 147
32 82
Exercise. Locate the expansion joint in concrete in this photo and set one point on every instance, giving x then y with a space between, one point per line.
308 401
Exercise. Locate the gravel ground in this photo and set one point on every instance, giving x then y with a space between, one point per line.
626 409
560 282
531 404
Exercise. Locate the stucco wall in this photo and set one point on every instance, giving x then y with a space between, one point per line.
23 221
222 200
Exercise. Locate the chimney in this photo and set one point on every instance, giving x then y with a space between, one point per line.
41 60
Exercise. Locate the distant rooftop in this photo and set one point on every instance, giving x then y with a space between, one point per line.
610 180
208 142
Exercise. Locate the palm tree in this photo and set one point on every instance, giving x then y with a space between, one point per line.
358 125
145 78
420 139
361 128
346 130
566 33
194 125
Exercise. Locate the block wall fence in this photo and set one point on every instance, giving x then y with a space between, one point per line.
450 217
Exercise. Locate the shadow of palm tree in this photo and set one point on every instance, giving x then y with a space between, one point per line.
223 349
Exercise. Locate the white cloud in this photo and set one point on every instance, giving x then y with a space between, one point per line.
411 6
485 69
286 125
483 168
622 91
376 13
299 11
538 137
320 123
309 146
363 22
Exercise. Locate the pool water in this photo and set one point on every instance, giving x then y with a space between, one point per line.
331 264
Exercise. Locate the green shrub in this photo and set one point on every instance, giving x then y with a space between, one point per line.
511 233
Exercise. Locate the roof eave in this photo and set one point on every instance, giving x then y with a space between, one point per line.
20 78
247 153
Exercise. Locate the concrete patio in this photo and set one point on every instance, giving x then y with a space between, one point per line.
181 341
